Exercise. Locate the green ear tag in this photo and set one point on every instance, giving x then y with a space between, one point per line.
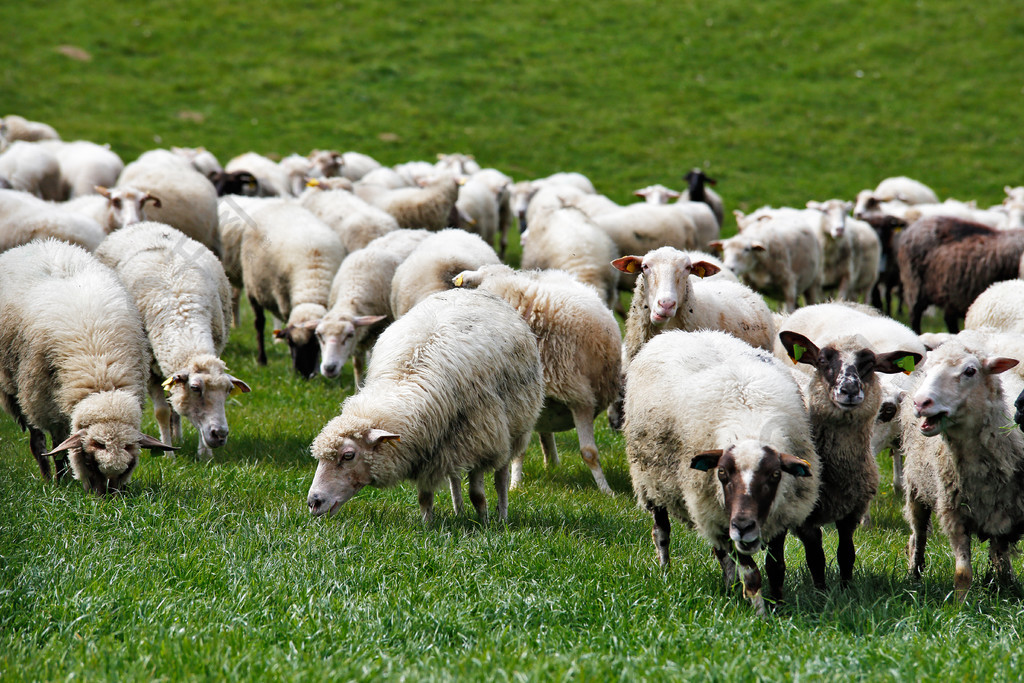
798 351
907 363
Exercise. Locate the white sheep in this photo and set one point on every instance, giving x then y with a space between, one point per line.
746 424
455 386
700 213
429 206
14 127
843 399
501 187
113 208
188 201
72 362
902 189
184 298
355 165
383 176
359 305
201 159
430 267
30 167
479 207
24 218
553 196
960 461
457 164
289 258
579 344
1000 307
779 256
566 239
667 298
84 165
285 179
356 221
523 192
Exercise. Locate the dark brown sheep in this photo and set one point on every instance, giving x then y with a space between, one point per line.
948 262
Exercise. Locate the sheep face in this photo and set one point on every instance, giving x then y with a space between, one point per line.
126 205
104 455
325 163
835 211
741 254
345 463
236 182
337 340
847 367
749 473
200 397
665 271
303 346
954 379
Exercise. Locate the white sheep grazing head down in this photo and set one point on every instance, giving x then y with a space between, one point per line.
740 253
199 392
346 458
836 212
955 381
337 336
847 365
750 473
127 204
105 441
665 271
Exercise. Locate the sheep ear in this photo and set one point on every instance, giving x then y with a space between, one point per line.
628 264
673 194
640 193
800 348
704 269
280 335
794 465
999 364
708 460
238 386
146 441
73 441
715 246
815 205
757 246
365 320
102 191
376 437
897 361
150 198
309 324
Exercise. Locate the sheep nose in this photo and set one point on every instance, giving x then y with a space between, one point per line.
219 433
314 503
921 406
743 526
667 303
329 369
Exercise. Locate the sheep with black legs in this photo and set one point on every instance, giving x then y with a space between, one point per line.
453 387
718 437
579 348
73 362
842 400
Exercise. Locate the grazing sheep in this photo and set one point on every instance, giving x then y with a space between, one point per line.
188 201
430 206
289 258
201 159
235 182
355 221
949 262
430 267
707 225
457 164
359 306
779 256
523 192
14 127
72 362
355 165
383 176
274 179
902 189
501 187
84 166
552 196
698 191
960 462
24 218
1000 307
641 227
843 399
580 349
566 239
184 298
113 208
455 386
747 424
479 208
30 167
666 298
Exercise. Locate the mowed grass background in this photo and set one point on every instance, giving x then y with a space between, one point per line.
216 570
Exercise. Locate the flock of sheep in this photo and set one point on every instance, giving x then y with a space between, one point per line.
117 281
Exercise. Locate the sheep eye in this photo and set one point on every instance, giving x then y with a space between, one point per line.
196 388
117 203
99 445
348 455
644 267
970 371
723 476
776 475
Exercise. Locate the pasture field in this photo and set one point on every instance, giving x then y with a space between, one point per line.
216 570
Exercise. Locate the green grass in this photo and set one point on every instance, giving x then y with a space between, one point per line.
216 570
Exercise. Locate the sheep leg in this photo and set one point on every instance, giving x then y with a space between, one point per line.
775 566
897 470
811 539
917 309
161 411
176 427
62 467
236 314
547 447
952 320
999 560
501 476
752 583
476 494
918 514
960 542
583 418
455 483
426 505
358 366
517 471
661 533
728 566
259 322
846 553
37 444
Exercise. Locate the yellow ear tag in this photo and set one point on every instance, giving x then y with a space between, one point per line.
458 280
312 182
699 271
798 352
632 267
907 363
166 384
235 390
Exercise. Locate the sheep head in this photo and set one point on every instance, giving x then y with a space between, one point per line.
199 392
345 464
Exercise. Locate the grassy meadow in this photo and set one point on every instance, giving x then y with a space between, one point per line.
216 570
